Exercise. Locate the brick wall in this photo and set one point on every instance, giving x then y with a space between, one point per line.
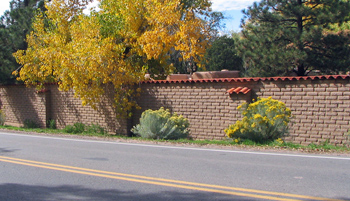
21 103
208 107
320 105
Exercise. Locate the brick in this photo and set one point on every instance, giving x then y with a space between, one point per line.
343 97
312 140
297 89
319 89
283 98
289 93
337 101
300 139
336 93
308 98
332 89
342 122
311 89
286 89
337 118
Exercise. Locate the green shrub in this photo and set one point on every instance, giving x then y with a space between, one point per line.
28 123
69 129
93 128
82 128
161 124
51 124
76 128
264 120
79 127
2 118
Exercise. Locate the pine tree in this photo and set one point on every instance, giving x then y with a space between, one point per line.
280 36
223 55
15 24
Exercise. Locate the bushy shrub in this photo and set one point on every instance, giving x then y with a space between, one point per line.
94 128
75 128
161 124
264 120
82 128
2 118
28 123
51 123
69 129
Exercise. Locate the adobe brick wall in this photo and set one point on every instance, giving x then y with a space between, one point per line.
320 106
208 107
67 110
21 103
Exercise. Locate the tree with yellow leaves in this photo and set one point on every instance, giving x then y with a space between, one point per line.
114 46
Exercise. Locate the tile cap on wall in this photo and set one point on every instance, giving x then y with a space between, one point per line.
254 79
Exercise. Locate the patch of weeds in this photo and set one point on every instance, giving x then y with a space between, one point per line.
95 129
51 124
76 128
28 123
79 127
69 129
292 145
325 146
249 142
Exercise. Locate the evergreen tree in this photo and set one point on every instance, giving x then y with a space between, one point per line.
280 36
223 55
15 24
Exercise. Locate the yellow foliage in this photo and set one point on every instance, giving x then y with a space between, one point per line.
264 119
115 45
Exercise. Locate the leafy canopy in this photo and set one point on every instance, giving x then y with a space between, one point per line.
280 36
112 47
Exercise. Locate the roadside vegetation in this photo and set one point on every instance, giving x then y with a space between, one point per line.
277 144
263 127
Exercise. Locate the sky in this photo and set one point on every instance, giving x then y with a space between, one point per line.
230 8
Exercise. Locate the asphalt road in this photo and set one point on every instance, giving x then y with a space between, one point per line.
36 167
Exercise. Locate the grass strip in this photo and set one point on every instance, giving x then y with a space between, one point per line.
277 144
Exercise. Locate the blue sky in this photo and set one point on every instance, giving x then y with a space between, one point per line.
230 8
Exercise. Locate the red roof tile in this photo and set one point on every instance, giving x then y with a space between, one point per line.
243 90
255 79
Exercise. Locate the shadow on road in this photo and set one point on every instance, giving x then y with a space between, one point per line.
15 192
6 150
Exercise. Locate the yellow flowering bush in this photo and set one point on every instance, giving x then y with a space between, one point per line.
263 120
161 124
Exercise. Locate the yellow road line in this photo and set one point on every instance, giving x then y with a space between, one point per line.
160 181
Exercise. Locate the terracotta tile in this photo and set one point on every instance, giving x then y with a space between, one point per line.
255 79
243 90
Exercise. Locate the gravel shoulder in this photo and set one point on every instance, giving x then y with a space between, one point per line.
286 150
